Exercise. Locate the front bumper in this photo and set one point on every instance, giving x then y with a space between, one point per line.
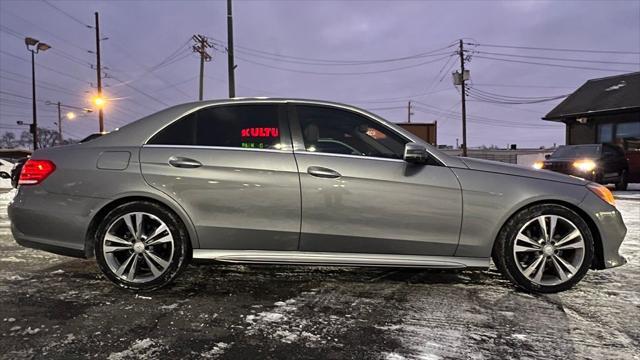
611 229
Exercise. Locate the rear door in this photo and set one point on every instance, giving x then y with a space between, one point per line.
231 167
359 196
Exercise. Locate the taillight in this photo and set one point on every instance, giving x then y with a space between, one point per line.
35 171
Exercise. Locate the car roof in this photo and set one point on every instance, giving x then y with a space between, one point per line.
138 132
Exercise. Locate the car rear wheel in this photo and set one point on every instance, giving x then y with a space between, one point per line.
141 246
546 248
623 183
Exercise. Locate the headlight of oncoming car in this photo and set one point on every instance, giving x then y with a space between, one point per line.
538 165
584 165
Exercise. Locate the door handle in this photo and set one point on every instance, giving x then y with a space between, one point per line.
323 172
182 162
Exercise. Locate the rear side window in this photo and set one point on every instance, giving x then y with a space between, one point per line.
243 126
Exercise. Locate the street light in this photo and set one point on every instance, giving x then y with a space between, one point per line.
70 115
34 46
99 102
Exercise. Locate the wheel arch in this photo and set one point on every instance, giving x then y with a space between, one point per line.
598 255
89 247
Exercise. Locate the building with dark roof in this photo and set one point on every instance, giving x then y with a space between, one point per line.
605 110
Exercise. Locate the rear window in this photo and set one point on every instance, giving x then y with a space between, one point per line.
577 151
244 126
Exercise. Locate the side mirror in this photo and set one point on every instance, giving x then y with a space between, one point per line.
415 153
5 175
547 157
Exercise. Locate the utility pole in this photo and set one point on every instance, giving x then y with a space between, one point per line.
201 46
59 125
99 74
230 61
464 100
409 113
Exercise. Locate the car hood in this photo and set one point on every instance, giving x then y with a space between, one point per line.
519 170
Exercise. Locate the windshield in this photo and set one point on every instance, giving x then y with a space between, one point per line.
577 151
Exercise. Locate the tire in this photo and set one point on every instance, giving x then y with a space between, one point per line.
515 254
623 184
146 257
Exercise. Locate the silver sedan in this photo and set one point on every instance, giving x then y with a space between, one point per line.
283 181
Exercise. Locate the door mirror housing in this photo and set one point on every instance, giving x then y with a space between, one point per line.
547 156
5 175
415 153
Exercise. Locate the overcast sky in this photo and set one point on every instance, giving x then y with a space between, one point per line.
297 35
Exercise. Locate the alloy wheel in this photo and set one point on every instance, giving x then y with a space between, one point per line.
549 250
138 247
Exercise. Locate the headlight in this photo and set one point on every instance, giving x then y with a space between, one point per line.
602 192
584 165
538 165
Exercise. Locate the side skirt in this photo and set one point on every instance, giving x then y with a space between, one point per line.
342 259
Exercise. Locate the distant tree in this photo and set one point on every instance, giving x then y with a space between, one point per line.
8 140
46 138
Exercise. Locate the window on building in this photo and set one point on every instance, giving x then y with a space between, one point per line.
337 131
605 133
628 134
245 126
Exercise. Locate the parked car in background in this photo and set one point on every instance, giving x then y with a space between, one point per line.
15 171
601 163
285 181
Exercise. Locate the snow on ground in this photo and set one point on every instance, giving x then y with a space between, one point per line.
57 307
5 183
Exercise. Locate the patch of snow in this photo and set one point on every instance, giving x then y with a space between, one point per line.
169 307
140 349
12 259
393 356
57 272
143 297
217 350
519 336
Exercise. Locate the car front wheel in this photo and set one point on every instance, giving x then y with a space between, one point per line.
545 248
141 246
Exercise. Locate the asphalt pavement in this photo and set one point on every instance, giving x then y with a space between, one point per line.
53 307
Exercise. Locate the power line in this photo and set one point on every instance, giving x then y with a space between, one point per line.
140 91
557 49
45 67
341 73
506 99
557 59
552 65
332 61
68 15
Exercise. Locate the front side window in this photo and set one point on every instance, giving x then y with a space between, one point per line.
336 131
244 126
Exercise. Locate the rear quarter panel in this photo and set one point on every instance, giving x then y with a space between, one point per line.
489 199
78 179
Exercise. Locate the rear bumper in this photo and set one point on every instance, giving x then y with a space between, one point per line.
51 222
611 228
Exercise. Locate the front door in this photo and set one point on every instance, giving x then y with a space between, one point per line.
231 167
359 196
